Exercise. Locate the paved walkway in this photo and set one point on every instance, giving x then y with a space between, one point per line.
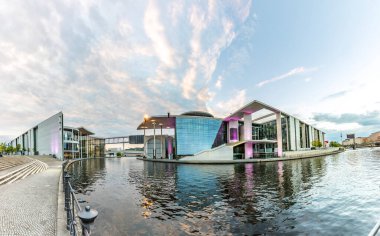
29 206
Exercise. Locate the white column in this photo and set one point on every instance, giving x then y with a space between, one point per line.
154 140
248 148
144 144
279 134
88 152
161 144
80 151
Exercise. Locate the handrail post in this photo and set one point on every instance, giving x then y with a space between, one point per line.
87 217
67 199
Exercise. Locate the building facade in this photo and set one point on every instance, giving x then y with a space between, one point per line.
51 137
255 130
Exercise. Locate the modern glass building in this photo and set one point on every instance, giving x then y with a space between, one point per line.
51 137
255 130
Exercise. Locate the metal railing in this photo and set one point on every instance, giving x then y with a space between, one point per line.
74 211
375 230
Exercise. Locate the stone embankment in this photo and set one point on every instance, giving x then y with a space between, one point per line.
287 156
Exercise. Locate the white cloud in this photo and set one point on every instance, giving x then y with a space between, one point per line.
224 108
218 83
155 30
105 65
293 72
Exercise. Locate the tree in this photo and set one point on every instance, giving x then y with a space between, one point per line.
316 143
118 154
335 144
3 147
18 148
9 149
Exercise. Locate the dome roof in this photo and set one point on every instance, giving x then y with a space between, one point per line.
197 113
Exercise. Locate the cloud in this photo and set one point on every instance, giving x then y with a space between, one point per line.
367 119
105 65
156 32
218 83
308 79
335 95
293 72
225 107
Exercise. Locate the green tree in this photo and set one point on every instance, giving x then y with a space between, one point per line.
3 147
118 154
18 148
335 144
316 143
9 149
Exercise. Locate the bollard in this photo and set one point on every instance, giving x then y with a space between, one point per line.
87 218
67 199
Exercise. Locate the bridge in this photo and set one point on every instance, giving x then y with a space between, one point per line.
131 139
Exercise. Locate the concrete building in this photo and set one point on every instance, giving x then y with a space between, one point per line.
255 130
51 137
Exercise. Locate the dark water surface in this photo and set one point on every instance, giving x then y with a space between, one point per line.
333 195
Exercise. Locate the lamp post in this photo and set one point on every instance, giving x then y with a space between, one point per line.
160 124
145 127
154 139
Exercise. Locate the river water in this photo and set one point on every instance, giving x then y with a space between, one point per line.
332 195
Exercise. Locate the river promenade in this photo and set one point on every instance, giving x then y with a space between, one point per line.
29 206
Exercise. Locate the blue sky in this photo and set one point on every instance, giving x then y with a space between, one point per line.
106 64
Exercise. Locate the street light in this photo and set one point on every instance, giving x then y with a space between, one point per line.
154 139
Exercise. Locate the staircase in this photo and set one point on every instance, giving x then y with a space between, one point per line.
9 162
32 167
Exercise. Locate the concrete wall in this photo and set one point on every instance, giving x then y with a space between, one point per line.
223 152
49 136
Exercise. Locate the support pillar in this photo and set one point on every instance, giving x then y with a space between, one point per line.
279 134
248 136
233 131
162 156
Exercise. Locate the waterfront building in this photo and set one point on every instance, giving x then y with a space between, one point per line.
255 130
371 140
51 137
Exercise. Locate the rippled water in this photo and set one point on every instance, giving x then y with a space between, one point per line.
333 195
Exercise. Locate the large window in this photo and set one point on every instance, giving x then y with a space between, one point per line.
195 134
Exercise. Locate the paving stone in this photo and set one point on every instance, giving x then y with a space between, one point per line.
29 206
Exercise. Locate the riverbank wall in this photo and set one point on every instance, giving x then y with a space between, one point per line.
287 156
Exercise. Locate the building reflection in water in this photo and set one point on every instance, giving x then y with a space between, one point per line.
84 174
145 198
247 196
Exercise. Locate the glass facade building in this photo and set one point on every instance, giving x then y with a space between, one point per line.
195 134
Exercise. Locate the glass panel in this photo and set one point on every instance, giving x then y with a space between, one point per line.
195 134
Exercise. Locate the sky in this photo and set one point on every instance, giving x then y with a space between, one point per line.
105 64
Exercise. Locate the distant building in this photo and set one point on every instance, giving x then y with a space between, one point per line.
51 137
372 140
375 138
255 130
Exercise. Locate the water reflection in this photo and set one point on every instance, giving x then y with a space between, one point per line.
318 196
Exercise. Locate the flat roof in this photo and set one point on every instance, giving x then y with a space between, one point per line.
251 108
260 111
167 122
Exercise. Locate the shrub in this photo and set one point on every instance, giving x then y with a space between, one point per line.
316 143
